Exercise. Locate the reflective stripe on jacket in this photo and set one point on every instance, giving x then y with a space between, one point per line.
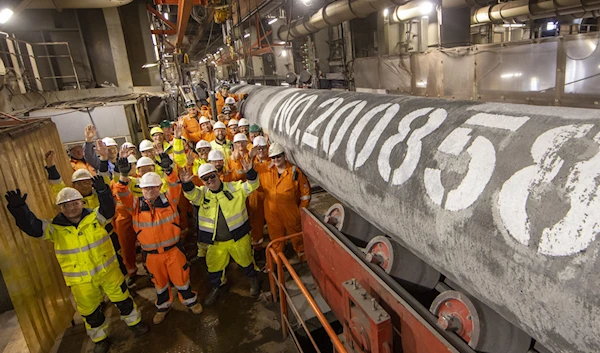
233 208
83 251
157 224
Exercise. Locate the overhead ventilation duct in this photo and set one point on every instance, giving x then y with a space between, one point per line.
76 4
535 10
332 15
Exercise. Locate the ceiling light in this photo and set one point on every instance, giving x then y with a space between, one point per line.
271 21
550 26
220 49
513 25
5 15
284 53
280 42
425 8
212 62
166 14
149 65
386 12
246 35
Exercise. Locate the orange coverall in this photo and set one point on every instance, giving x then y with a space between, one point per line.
284 195
157 227
192 131
124 228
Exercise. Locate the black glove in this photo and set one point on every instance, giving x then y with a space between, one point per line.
15 199
124 166
166 163
99 184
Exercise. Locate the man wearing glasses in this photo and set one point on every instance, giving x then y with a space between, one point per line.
223 223
286 190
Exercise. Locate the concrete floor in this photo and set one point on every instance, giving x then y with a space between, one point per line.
237 323
11 336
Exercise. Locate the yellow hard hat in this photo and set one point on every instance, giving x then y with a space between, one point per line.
156 130
68 194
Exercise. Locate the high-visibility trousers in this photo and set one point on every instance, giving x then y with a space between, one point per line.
219 253
256 212
284 220
124 227
170 267
89 296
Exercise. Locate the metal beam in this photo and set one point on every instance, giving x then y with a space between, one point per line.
166 31
184 10
176 2
160 16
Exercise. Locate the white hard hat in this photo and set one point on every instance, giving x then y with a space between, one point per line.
203 120
81 174
219 125
206 168
229 100
131 159
150 179
143 162
240 137
127 145
202 144
232 122
146 145
244 122
109 141
259 141
68 194
215 155
275 149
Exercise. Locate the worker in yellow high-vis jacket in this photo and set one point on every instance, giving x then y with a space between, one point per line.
86 256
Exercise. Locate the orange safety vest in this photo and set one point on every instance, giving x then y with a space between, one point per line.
156 225
192 131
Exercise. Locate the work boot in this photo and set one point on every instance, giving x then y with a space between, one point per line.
159 317
196 308
212 296
140 329
102 346
254 286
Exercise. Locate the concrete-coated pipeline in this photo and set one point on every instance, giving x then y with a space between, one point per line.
500 198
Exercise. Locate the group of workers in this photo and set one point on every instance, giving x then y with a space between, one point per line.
223 172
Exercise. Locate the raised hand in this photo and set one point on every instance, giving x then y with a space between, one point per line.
15 199
50 158
253 152
165 162
158 148
186 175
125 152
90 133
178 128
99 184
247 164
190 157
102 150
124 166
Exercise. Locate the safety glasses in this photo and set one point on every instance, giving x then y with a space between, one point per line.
209 177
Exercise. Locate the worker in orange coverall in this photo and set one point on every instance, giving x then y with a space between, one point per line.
156 223
286 190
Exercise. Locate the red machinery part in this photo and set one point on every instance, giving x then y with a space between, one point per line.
482 328
400 263
351 224
332 263
367 326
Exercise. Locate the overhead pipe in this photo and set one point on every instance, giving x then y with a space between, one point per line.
332 15
75 4
533 10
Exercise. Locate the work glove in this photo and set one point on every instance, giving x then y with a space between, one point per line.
98 183
15 199
166 163
124 166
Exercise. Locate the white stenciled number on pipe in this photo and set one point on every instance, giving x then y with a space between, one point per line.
413 144
573 233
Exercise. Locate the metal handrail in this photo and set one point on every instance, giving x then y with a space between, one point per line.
279 282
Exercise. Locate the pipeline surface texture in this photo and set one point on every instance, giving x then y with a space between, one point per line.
501 198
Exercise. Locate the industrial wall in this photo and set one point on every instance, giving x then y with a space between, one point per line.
29 266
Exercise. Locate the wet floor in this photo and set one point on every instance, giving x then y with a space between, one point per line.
236 323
